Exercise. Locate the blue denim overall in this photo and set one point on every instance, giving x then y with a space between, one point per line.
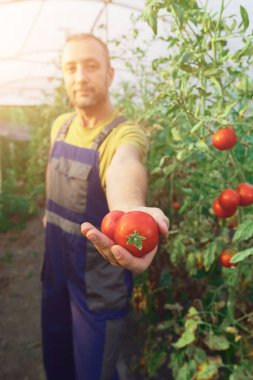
84 298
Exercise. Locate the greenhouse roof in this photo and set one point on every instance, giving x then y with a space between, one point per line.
33 33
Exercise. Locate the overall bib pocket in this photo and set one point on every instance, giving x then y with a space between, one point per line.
69 181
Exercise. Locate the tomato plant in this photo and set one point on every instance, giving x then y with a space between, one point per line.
109 222
224 139
245 191
199 88
138 232
225 258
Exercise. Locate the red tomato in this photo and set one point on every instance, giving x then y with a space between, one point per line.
245 191
176 205
220 212
137 232
225 258
109 222
224 139
229 200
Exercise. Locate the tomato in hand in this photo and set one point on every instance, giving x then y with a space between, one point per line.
225 258
220 212
137 232
245 191
109 222
229 200
224 139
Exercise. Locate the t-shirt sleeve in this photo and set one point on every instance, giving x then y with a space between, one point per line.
135 135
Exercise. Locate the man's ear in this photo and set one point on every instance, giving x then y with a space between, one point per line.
110 75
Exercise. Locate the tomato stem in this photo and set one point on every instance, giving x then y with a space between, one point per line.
231 305
238 167
136 240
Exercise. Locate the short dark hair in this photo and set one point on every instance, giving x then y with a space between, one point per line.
89 36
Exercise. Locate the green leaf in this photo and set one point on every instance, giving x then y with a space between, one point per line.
209 369
217 342
201 145
242 255
181 154
169 169
217 85
176 134
185 57
226 112
245 17
178 249
165 325
155 361
150 14
209 255
184 372
197 126
244 231
187 68
213 72
191 325
186 338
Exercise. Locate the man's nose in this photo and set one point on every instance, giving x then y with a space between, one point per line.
81 74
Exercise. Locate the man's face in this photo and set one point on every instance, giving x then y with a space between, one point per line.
87 74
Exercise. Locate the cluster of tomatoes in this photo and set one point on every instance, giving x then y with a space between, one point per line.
136 231
229 200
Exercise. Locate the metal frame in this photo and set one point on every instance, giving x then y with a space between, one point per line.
24 56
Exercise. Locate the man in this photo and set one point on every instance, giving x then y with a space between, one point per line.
95 164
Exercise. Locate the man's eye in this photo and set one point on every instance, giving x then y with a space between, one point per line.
91 67
70 69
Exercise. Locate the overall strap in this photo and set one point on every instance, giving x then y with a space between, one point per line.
108 128
64 128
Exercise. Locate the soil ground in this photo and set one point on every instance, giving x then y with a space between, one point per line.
21 253
20 263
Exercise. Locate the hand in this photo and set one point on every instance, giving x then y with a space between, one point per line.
116 254
161 219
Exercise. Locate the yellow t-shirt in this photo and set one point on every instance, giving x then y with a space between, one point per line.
126 133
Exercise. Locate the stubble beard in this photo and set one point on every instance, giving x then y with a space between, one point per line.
91 99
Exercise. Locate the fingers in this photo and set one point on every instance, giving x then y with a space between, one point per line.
163 224
116 254
102 243
130 262
161 219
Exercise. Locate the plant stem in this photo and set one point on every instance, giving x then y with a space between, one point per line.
237 166
231 305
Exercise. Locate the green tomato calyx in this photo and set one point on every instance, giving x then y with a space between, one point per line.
136 239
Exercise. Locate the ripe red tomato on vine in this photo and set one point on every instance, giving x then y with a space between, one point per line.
220 212
225 258
224 139
229 200
245 191
176 205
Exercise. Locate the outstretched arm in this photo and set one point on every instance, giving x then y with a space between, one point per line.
126 188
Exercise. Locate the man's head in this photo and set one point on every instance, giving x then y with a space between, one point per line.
87 70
